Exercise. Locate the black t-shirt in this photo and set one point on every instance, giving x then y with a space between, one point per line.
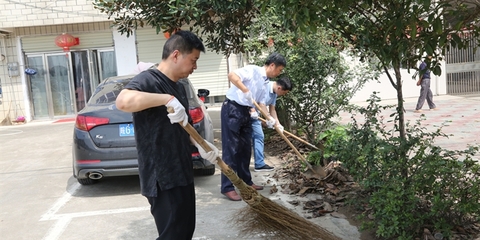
164 149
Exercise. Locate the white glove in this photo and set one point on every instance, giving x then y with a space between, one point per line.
280 128
254 115
246 95
179 115
271 122
210 156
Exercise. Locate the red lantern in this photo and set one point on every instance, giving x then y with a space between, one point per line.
66 41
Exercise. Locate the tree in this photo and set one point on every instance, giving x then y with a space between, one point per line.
223 23
397 32
318 67
229 27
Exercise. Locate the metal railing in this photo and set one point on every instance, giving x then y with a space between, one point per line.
463 68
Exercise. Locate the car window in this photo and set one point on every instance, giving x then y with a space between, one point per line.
108 91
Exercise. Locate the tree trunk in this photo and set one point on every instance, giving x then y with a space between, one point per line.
400 109
401 124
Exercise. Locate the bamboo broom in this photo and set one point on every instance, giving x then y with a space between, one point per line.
264 215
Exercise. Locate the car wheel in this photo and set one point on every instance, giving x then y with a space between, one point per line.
86 181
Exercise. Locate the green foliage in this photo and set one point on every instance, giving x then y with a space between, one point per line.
395 31
322 77
412 183
331 137
222 23
315 158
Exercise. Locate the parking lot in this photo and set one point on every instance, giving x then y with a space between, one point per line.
39 198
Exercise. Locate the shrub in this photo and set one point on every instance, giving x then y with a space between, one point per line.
411 183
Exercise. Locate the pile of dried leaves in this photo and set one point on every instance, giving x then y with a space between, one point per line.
333 190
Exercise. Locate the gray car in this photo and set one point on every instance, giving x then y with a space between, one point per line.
104 138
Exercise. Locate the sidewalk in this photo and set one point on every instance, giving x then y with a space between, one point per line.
460 116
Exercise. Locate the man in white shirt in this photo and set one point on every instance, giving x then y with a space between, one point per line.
250 84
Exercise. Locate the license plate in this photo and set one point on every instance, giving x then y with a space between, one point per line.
126 130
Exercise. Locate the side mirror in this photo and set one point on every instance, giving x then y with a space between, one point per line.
203 93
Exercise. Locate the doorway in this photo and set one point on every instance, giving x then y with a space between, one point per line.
51 86
64 82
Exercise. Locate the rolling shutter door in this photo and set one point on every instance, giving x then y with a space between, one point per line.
211 70
34 44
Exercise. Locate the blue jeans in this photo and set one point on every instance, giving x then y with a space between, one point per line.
257 140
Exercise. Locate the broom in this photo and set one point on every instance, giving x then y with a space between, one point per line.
7 120
264 215
294 136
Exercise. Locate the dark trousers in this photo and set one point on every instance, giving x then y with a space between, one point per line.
236 142
174 212
425 94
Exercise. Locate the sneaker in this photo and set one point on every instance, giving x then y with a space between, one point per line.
417 111
433 109
265 168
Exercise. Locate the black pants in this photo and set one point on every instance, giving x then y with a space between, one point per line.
174 212
236 142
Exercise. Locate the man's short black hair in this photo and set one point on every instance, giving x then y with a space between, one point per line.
285 83
277 59
183 41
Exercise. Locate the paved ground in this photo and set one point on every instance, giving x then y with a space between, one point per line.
460 117
39 198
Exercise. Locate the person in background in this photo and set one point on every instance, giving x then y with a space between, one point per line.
164 147
425 91
276 89
250 84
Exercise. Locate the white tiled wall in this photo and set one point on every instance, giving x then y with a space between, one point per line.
21 13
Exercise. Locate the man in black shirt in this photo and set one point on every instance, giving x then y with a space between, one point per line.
164 148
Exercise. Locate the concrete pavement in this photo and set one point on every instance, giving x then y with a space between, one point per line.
459 115
39 199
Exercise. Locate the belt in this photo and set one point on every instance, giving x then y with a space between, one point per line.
236 104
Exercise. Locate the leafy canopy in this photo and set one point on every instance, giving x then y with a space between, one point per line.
222 22
395 31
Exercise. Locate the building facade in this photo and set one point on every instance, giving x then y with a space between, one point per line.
63 81
58 83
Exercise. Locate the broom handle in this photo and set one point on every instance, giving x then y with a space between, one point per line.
199 139
293 135
286 139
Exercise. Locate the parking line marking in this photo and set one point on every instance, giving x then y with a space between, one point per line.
56 231
8 132
100 212
60 202
63 220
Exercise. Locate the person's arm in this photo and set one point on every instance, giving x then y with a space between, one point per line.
273 113
264 109
134 101
237 81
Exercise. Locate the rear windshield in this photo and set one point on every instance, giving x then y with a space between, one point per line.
108 91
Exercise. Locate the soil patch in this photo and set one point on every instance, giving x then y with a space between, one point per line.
333 190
